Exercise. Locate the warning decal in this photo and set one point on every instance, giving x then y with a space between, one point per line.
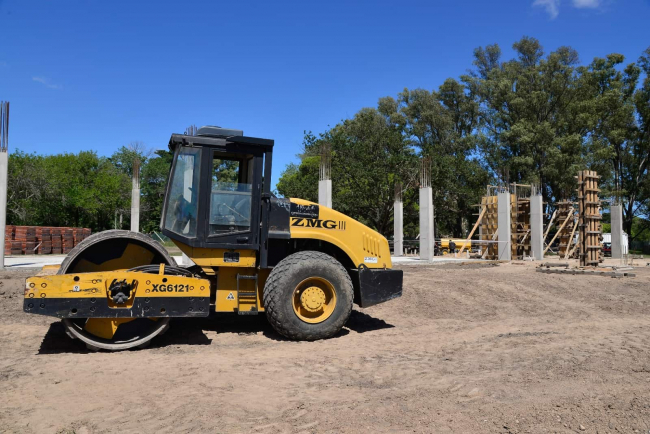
230 296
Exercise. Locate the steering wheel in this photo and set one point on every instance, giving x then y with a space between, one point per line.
221 207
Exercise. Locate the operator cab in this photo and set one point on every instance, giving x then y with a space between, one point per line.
216 188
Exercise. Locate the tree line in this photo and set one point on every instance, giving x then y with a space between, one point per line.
86 190
535 119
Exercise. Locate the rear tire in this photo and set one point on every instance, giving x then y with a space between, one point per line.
284 285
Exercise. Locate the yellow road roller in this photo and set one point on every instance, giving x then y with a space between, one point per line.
301 263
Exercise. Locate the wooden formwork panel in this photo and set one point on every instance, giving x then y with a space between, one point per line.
489 225
519 226
566 224
589 223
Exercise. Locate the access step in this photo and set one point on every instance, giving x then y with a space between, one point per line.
247 299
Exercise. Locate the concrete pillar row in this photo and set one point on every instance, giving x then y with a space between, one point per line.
135 210
504 231
4 165
617 231
536 227
325 192
398 228
426 224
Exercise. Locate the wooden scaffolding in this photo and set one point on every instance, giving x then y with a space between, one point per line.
489 226
519 221
566 214
589 224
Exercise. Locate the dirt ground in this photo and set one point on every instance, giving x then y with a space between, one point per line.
468 348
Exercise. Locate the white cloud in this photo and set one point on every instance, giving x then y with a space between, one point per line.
47 82
551 6
586 3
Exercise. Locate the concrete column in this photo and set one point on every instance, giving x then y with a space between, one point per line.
426 224
503 221
616 212
4 164
135 210
536 227
325 192
398 228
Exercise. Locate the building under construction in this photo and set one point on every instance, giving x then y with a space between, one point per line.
511 223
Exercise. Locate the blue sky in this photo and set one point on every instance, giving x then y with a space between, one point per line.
95 75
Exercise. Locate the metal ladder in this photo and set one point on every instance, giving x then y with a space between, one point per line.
247 300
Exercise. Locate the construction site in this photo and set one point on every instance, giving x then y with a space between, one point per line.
523 326
311 218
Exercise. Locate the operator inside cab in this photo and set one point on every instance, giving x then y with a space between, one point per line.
230 201
230 198
182 210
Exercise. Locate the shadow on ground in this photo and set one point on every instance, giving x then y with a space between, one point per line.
361 322
191 331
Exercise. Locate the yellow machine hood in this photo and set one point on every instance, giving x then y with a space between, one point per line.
362 244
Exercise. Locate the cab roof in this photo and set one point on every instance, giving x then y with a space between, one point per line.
218 137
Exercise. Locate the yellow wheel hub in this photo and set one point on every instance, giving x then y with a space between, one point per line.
314 300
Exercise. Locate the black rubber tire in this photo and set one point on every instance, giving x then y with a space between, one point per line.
278 293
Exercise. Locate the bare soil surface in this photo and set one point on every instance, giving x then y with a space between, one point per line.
468 348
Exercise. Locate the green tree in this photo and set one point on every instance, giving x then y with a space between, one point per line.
28 187
370 154
153 182
125 157
532 115
88 189
300 180
65 190
441 125
619 139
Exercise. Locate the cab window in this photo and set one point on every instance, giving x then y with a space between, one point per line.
182 204
230 198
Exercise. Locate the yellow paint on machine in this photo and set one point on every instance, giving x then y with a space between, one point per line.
227 297
205 258
105 327
460 242
362 244
89 285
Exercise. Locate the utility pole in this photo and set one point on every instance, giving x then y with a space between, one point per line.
4 165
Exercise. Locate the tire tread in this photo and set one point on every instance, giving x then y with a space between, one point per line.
273 292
